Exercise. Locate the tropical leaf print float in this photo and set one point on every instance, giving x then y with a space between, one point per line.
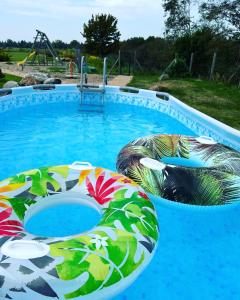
216 181
9 227
106 263
103 190
122 243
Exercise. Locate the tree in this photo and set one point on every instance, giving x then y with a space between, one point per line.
152 53
223 15
74 44
101 34
58 44
178 18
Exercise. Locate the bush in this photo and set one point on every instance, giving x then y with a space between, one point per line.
68 54
95 63
4 56
1 74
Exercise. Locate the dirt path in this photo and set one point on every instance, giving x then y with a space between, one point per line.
120 80
13 69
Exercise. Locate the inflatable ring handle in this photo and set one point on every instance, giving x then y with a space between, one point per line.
81 165
24 249
152 163
203 139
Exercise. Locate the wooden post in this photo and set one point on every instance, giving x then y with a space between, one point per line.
213 65
129 66
191 63
45 56
119 63
134 61
78 58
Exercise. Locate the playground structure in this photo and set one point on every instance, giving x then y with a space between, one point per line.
72 64
42 52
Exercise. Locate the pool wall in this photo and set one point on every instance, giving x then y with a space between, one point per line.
198 122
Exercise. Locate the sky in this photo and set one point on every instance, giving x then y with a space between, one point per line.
63 19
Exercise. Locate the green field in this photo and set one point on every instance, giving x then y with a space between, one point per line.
17 55
8 78
216 99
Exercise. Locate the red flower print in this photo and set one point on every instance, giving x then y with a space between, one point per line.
9 227
126 180
103 190
143 195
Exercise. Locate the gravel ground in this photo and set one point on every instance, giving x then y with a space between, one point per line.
14 69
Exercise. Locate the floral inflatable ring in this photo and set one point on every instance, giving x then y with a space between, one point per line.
97 264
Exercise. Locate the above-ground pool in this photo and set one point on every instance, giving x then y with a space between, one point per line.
198 250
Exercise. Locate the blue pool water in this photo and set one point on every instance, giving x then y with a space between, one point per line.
198 253
79 218
184 162
53 134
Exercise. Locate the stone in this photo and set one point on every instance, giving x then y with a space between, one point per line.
33 78
28 81
53 81
10 84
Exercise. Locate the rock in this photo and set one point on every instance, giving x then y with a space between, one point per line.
53 81
10 84
33 78
28 81
38 76
155 87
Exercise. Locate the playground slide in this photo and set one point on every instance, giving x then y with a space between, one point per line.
22 62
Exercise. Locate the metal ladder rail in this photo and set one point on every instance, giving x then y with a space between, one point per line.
91 88
81 78
82 74
105 78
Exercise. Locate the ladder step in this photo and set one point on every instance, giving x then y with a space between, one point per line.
89 90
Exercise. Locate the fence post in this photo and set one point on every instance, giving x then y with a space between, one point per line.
119 63
129 65
134 61
191 63
78 58
213 65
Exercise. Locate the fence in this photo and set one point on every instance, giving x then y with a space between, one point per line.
214 65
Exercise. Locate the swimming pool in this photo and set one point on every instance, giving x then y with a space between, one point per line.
197 256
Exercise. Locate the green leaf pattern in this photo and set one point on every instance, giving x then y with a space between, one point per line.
119 247
216 184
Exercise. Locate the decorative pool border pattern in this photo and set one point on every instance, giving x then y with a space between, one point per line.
198 122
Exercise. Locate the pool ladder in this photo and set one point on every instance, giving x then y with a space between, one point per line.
89 103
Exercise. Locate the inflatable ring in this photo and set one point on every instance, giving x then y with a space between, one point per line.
212 178
93 265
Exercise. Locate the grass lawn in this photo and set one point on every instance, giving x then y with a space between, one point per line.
17 55
9 77
215 99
